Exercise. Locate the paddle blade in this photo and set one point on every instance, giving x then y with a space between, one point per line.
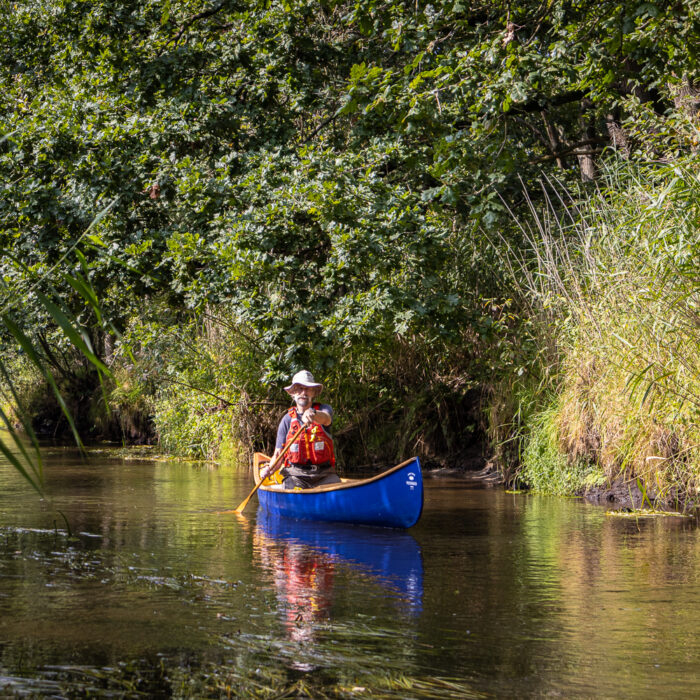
244 503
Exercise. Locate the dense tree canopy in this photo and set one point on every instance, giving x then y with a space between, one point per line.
333 173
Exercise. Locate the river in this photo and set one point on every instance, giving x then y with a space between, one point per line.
153 592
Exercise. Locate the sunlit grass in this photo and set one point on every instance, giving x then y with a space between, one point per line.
646 513
613 282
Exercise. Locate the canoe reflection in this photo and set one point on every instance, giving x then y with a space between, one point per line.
304 556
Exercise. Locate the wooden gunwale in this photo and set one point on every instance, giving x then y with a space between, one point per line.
344 484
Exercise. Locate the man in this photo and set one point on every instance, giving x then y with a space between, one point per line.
310 460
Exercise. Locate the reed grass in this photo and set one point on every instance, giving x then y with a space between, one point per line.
614 282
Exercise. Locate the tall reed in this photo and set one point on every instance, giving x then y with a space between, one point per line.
614 280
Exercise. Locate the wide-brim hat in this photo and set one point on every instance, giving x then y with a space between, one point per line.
303 378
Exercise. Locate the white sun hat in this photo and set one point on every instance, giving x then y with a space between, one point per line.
303 378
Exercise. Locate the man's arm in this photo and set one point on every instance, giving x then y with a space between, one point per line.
322 416
282 430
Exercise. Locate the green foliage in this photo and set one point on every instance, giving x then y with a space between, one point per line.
335 183
546 468
616 280
319 172
187 428
129 417
31 357
196 377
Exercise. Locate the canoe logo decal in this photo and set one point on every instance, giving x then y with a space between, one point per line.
411 483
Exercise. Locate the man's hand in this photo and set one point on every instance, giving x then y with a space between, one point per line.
266 471
309 416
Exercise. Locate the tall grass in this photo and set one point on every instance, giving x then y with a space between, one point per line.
615 282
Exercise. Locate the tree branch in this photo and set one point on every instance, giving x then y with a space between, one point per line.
189 22
575 149
321 126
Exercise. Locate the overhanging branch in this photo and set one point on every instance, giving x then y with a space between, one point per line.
189 22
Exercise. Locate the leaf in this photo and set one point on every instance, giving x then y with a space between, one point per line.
35 463
78 338
31 353
11 457
357 71
96 240
647 8
87 292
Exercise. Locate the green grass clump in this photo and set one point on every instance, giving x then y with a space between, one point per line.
546 467
646 513
615 285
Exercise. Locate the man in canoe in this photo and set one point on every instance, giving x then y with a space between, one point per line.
310 460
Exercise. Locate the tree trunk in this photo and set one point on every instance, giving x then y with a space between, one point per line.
555 137
617 135
586 159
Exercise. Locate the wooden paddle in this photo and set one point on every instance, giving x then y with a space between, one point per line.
275 466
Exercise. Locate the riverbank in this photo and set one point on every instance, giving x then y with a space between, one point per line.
583 381
613 405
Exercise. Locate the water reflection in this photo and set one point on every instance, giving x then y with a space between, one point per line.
514 596
303 581
303 559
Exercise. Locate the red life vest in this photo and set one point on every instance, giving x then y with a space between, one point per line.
313 446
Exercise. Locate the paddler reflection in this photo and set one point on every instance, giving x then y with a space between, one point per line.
304 585
304 559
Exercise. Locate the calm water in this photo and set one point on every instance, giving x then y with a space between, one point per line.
490 595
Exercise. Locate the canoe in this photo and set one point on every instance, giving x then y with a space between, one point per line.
393 498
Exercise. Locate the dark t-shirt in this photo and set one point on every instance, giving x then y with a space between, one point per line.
286 422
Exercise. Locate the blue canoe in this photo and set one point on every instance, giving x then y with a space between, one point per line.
393 498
